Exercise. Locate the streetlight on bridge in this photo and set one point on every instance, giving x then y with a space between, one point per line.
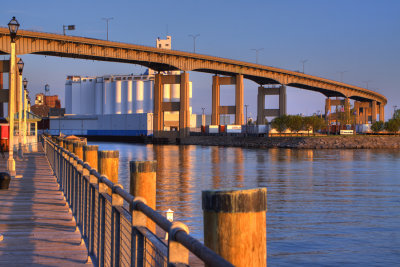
303 62
13 26
68 27
367 83
107 20
341 75
257 51
194 41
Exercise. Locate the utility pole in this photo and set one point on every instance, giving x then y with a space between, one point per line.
341 75
257 51
194 41
367 83
303 62
107 20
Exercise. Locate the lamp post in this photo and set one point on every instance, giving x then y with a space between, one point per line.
68 27
257 51
303 62
194 41
25 83
20 65
341 75
107 20
13 26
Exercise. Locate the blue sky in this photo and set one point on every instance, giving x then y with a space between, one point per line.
360 37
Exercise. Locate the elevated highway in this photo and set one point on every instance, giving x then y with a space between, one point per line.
31 42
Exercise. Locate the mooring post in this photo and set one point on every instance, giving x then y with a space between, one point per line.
235 225
70 146
143 184
108 165
78 149
90 155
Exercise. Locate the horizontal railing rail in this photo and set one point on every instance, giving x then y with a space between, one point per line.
113 227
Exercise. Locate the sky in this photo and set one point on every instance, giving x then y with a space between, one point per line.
358 37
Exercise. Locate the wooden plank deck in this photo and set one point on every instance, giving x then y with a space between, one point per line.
36 223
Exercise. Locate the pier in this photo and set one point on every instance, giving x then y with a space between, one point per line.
35 220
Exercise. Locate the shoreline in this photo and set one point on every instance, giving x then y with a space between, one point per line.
303 142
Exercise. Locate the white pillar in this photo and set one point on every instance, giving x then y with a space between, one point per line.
99 96
118 97
11 103
139 96
129 97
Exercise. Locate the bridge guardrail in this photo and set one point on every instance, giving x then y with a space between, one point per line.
114 235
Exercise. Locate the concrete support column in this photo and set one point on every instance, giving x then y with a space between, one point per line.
239 100
184 112
381 112
1 104
327 109
260 106
347 110
215 100
357 109
158 118
373 112
282 100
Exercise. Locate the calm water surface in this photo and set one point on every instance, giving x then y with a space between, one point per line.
325 207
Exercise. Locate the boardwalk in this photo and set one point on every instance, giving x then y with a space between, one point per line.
35 221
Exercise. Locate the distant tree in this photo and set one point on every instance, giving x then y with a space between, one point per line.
280 123
308 123
377 126
393 125
295 123
396 114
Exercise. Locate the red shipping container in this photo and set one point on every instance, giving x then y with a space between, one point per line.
4 131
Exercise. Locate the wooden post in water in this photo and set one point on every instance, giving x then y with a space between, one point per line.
90 155
70 146
143 184
235 225
108 165
78 149
60 142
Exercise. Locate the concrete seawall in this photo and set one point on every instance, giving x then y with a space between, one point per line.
326 142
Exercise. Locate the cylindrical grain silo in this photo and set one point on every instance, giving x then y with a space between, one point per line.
76 96
139 96
129 96
68 95
118 96
107 95
99 96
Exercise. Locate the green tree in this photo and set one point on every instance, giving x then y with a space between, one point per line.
280 123
396 114
295 123
393 125
377 126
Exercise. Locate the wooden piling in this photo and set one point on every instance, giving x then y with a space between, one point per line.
143 184
235 225
108 165
70 146
78 149
90 155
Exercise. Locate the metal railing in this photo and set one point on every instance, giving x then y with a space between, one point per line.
114 235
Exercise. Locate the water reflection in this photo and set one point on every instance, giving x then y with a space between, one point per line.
324 206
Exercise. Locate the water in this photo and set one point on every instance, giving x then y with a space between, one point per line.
325 207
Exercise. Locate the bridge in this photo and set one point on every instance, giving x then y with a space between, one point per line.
226 71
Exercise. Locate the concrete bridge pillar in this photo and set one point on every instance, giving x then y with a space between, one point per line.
158 117
217 110
239 100
184 112
327 110
381 112
261 111
160 106
373 111
215 100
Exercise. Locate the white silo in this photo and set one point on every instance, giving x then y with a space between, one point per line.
167 93
139 96
68 95
149 93
124 95
117 96
107 96
129 96
76 95
99 96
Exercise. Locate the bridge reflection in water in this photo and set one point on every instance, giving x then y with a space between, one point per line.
324 206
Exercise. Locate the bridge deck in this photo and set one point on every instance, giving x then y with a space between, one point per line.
35 222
